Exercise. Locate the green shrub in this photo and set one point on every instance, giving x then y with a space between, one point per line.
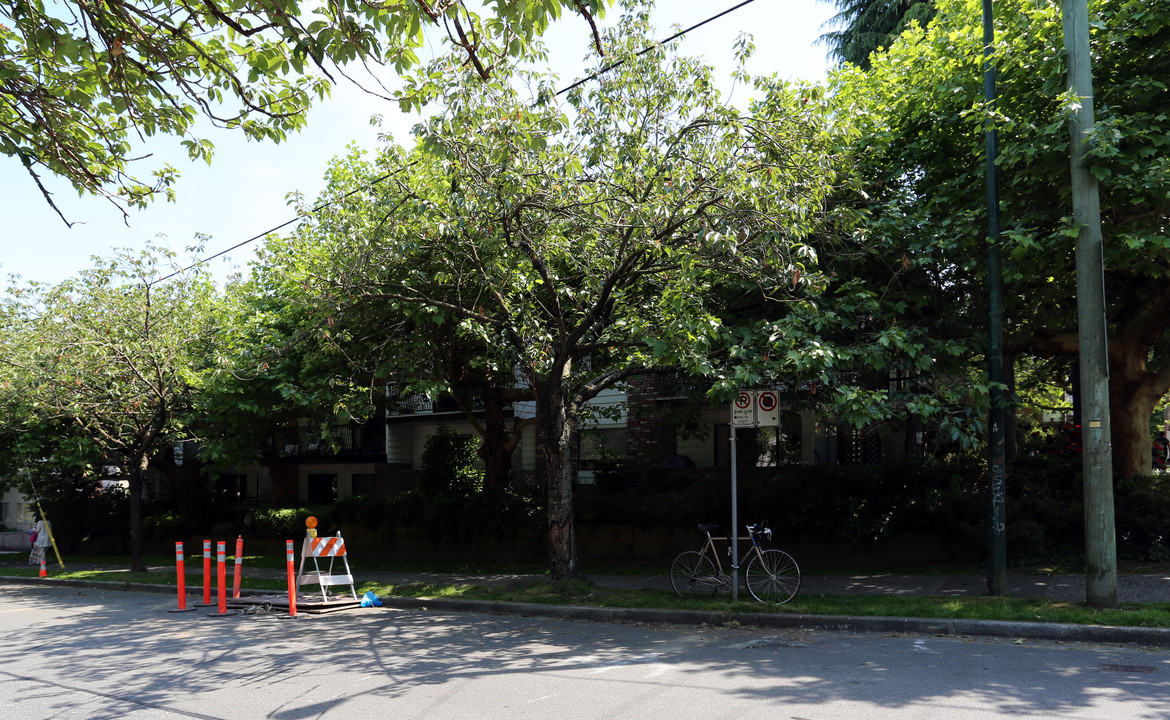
287 523
449 465
1044 505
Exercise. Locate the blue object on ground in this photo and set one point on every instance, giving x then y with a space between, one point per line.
371 600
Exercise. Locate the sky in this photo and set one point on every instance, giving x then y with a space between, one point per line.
242 194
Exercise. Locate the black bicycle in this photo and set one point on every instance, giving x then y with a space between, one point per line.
772 576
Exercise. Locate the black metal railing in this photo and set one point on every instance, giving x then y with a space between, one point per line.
406 405
340 439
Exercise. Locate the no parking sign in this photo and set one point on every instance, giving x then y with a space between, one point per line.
767 408
743 409
756 408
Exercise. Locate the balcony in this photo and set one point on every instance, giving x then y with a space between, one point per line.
409 406
345 441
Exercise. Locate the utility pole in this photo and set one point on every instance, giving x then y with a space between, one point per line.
997 565
1097 455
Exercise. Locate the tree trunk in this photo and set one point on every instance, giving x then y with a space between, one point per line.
1134 391
557 426
1132 402
497 446
1134 388
137 482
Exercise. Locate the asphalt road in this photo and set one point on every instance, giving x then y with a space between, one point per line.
83 653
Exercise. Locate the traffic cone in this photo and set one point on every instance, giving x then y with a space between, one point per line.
43 572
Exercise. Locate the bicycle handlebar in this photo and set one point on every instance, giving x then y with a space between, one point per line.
752 529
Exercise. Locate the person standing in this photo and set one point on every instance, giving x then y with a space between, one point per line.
41 541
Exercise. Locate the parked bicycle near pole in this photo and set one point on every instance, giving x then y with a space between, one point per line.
772 576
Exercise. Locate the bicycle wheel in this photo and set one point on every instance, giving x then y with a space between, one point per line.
773 577
692 574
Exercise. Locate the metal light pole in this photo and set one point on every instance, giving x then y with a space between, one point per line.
997 565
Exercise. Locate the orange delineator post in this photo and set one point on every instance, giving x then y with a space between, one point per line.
292 583
206 573
238 568
44 573
181 571
221 574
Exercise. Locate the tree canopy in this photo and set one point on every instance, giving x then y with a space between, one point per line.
99 368
864 27
921 118
552 251
83 84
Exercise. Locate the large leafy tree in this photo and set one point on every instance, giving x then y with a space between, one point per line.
921 116
104 362
863 27
83 83
277 362
558 250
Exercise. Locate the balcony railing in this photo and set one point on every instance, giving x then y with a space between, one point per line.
408 405
344 439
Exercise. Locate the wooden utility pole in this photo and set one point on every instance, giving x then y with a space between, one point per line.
1097 456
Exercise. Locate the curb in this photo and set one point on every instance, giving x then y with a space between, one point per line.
118 586
1106 634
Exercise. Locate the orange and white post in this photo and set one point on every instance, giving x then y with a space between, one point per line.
239 567
292 583
181 572
221 572
206 573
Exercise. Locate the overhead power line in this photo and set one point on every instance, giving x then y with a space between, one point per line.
379 180
648 48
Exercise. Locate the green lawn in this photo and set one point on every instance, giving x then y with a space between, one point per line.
580 593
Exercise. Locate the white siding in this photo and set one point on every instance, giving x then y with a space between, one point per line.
400 443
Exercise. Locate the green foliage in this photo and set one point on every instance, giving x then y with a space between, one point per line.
99 367
565 246
864 27
918 145
276 366
107 357
865 504
189 511
286 523
85 81
88 520
449 466
459 523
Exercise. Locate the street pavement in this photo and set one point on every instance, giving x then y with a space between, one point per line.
1154 588
105 654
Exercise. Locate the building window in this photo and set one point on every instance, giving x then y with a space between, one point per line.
602 448
322 489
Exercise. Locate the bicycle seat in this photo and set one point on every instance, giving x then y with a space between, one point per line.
708 528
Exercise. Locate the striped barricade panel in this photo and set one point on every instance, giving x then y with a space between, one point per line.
327 547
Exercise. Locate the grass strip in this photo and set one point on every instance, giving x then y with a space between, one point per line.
549 592
966 607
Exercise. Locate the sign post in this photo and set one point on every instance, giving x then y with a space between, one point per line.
743 414
751 408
